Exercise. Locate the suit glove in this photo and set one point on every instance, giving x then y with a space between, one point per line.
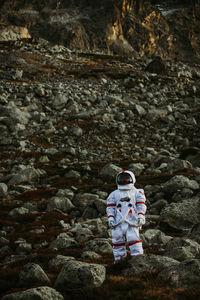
140 221
111 223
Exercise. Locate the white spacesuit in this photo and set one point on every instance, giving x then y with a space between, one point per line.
126 214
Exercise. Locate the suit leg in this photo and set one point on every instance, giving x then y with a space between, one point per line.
134 241
118 243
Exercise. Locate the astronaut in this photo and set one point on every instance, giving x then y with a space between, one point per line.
126 214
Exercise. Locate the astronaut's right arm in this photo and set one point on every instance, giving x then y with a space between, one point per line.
111 209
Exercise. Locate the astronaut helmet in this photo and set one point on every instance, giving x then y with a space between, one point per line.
125 179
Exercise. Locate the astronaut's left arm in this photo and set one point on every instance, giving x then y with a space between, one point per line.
141 204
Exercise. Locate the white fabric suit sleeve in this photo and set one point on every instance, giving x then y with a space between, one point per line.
141 203
111 206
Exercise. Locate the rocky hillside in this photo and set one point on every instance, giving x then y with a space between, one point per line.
167 28
70 120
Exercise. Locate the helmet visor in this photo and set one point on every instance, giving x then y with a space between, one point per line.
124 178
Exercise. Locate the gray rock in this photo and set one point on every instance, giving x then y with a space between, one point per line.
90 255
182 215
121 47
110 170
63 242
65 193
190 245
83 234
179 182
44 159
51 151
155 236
98 225
178 164
3 189
192 155
18 74
140 110
58 261
194 233
21 115
99 245
60 101
76 274
39 293
4 241
31 274
160 159
180 253
136 168
102 194
26 175
82 201
157 206
77 131
101 206
5 250
184 275
24 248
121 128
156 113
149 262
61 203
18 211
3 130
72 174
90 212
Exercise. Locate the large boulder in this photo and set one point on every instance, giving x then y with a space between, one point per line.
76 274
179 182
31 274
183 275
182 215
39 293
180 253
145 263
84 200
101 205
177 164
181 248
194 233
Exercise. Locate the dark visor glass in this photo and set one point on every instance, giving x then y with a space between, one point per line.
124 178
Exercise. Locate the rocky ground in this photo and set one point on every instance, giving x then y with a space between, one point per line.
69 121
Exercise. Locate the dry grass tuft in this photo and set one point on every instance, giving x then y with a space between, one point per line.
120 288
